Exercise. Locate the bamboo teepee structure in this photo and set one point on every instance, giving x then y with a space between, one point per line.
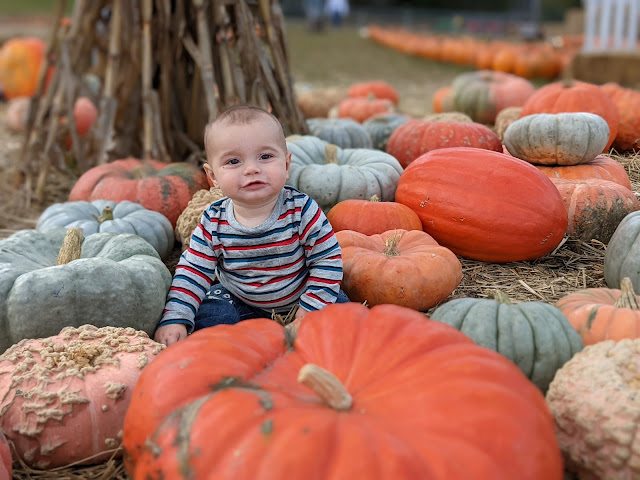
157 70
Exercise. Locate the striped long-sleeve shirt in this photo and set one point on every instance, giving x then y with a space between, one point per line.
292 257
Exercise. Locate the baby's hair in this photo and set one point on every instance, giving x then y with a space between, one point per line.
238 115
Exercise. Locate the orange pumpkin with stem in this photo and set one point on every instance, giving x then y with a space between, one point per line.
600 314
347 392
574 96
362 108
372 216
377 88
406 268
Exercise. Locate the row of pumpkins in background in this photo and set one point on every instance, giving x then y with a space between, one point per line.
543 60
466 196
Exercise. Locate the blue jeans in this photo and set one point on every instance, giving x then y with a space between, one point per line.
220 306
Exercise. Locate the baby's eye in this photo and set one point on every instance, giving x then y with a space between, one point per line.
265 156
233 161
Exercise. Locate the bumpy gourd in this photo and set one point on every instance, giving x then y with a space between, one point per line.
330 174
114 217
114 280
63 398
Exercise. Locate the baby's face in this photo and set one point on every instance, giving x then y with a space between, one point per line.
248 162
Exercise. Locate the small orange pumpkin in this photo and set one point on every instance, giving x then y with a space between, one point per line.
600 314
372 216
362 108
377 88
406 268
627 101
20 63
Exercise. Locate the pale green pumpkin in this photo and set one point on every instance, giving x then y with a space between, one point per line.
622 257
329 174
343 132
536 336
118 280
381 126
114 217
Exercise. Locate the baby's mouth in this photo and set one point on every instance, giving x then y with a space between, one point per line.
255 183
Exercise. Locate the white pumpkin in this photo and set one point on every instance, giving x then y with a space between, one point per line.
113 217
329 174
557 138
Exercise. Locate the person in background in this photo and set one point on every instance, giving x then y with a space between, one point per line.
313 12
270 246
337 10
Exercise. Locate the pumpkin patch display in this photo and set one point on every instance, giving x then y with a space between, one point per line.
484 205
162 187
52 279
114 217
381 126
5 459
622 257
400 267
557 138
20 61
375 88
600 314
536 336
595 207
330 174
593 399
410 398
574 96
372 216
416 137
483 94
603 167
63 398
343 132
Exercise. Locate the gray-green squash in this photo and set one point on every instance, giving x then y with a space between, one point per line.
536 336
381 126
110 279
343 132
114 217
329 174
622 257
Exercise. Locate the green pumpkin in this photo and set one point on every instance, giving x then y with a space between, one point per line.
115 280
622 257
536 336
381 126
329 174
114 217
343 132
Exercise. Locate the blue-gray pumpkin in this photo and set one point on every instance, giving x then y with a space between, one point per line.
343 132
536 336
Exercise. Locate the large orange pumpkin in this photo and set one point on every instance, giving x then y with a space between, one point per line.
406 268
484 205
362 108
372 216
349 392
574 96
603 167
162 187
595 207
600 314
20 62
377 88
416 137
627 101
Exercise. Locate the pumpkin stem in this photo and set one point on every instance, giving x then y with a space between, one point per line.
391 244
326 386
374 198
628 298
71 248
107 214
501 297
331 153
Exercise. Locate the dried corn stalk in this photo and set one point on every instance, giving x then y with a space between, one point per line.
157 70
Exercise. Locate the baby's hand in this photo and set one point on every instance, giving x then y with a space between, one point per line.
172 333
